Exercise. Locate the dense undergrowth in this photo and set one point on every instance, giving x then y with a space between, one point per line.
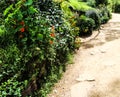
37 38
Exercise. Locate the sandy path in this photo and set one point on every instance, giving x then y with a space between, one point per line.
96 68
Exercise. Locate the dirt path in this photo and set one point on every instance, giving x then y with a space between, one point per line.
95 72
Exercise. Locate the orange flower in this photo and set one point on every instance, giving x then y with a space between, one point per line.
22 30
22 22
51 42
52 34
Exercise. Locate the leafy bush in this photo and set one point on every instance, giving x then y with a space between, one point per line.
96 17
75 9
117 7
91 3
78 5
5 4
104 13
93 14
34 47
85 25
98 2
36 39
13 88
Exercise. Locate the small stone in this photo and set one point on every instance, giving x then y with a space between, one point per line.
88 78
91 53
79 80
102 51
55 91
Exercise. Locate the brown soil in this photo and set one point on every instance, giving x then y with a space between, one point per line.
95 72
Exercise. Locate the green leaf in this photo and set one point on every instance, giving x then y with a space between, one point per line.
29 2
7 10
39 36
32 10
2 30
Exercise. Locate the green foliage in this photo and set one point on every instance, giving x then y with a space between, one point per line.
2 30
94 14
104 13
116 6
75 9
14 88
79 5
10 58
86 26
91 3
10 71
98 2
36 40
34 46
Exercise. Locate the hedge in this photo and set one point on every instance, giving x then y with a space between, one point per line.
37 38
35 44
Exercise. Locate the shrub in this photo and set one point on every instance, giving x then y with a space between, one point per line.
95 17
34 46
85 25
104 14
93 14
98 2
36 39
5 4
91 3
117 7
75 9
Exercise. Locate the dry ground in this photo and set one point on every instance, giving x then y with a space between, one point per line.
96 68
